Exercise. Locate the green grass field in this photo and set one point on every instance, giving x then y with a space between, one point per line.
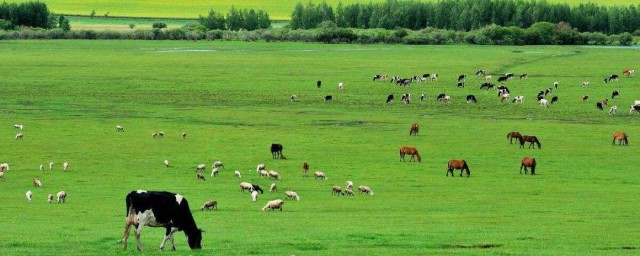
277 10
232 99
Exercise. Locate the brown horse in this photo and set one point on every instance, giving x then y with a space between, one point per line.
414 129
531 139
305 169
528 162
458 165
621 137
411 151
513 135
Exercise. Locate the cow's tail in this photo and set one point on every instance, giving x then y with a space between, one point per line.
129 203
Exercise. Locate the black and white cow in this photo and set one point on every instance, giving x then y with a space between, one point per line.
503 79
471 99
487 86
523 76
548 91
390 98
161 209
615 94
441 96
328 98
423 97
480 72
554 100
319 83
634 108
462 77
460 84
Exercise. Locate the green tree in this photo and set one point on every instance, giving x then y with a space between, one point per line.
212 21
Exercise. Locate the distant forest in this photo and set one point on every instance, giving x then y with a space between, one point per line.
466 15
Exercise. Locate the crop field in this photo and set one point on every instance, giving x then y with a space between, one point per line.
233 100
279 10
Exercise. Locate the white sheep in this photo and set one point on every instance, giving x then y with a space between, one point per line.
161 134
544 103
264 173
119 128
294 98
214 172
41 167
273 205
184 135
218 164
273 188
259 168
4 167
50 198
19 136
336 190
154 135
365 189
200 167
29 194
166 163
292 195
1 175
61 196
50 166
254 196
65 166
319 174
37 182
18 126
200 176
274 174
340 85
245 186
210 205
349 184
348 192
237 174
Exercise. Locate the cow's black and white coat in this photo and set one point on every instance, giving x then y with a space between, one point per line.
161 209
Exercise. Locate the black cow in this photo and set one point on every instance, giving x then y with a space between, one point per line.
471 99
426 76
615 94
462 78
276 151
613 77
257 188
540 97
319 83
503 79
541 93
390 98
554 100
599 105
548 91
328 98
161 209
487 86
461 85
508 75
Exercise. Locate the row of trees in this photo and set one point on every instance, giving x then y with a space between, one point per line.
329 32
29 14
236 19
465 15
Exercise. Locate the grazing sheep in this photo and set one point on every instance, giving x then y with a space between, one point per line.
254 196
50 166
200 176
245 186
18 126
62 196
218 164
585 84
349 184
200 167
50 198
259 168
319 174
214 172
184 135
544 103
273 205
166 163
65 166
274 174
1 175
273 188
154 135
292 195
29 194
19 136
348 192
41 167
237 174
209 205
365 189
4 167
37 182
119 128
161 134
555 84
264 173
336 190
294 98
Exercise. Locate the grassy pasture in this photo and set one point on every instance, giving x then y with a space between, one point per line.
192 9
232 99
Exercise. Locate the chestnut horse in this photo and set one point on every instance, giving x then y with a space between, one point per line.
531 139
414 129
458 165
621 137
411 151
528 162
513 135
305 169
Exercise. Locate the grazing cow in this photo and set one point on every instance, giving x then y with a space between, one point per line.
621 138
434 77
119 128
462 77
523 76
161 134
166 163
502 79
380 77
613 110
528 162
160 209
276 151
19 136
480 72
406 98
390 98
599 106
423 97
41 167
184 135
504 96
555 84
29 195
319 83
554 100
460 84
50 166
518 99
585 98
200 176
414 129
548 91
628 72
634 108
65 166
441 96
328 98
18 126
615 94
446 99
37 182
471 99
509 75
305 169
605 102
503 89
154 135
540 95
458 165
487 86
294 98
613 77
487 78
585 84
340 85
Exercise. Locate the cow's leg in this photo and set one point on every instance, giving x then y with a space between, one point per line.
168 236
125 237
138 231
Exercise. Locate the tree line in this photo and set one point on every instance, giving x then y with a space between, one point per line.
466 15
28 14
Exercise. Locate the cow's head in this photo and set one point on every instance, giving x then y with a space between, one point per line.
194 239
